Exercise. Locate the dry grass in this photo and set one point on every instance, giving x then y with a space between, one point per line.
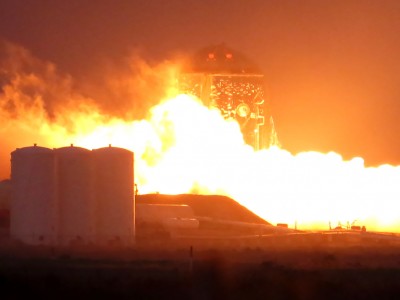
164 271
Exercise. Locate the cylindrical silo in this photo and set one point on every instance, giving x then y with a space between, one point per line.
114 181
33 218
75 194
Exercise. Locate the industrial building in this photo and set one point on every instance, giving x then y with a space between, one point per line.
72 195
227 80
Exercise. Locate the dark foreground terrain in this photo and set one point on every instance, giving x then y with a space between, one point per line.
164 272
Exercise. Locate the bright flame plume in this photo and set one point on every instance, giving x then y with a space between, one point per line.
185 147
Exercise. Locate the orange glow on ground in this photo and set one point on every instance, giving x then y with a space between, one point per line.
184 147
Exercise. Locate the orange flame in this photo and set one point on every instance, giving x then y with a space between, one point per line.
185 147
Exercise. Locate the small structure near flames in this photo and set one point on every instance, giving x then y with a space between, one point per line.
155 220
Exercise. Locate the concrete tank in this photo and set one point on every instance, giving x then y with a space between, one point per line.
76 196
114 182
33 207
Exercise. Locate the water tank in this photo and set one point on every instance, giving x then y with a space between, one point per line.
114 181
75 194
33 207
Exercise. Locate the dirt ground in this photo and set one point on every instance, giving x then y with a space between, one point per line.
166 272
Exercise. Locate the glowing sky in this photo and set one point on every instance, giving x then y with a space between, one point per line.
331 67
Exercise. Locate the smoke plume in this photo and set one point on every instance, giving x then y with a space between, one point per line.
40 104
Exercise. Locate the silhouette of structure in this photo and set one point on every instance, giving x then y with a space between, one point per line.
226 79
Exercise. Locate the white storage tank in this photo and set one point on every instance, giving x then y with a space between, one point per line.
33 207
114 182
76 196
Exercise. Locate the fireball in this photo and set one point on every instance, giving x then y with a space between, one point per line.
183 146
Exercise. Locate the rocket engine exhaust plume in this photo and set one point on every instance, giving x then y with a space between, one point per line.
182 146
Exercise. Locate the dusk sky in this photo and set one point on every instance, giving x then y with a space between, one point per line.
332 68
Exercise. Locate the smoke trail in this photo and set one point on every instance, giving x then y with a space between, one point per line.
39 104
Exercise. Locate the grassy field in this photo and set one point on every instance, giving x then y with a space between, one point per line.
167 272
